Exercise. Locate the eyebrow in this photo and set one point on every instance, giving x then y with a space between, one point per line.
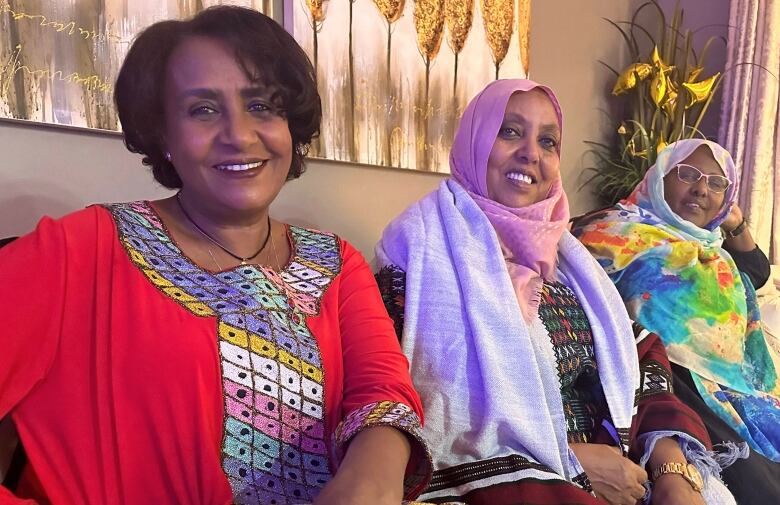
214 95
548 127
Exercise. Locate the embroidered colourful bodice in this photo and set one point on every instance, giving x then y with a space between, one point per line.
274 444
567 324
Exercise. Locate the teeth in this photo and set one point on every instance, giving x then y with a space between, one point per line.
241 167
517 176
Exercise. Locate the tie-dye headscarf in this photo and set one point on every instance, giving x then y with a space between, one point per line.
530 233
678 282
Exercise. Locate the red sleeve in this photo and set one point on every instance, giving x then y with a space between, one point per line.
375 368
32 287
658 409
377 386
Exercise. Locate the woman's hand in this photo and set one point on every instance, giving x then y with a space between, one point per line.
742 242
372 470
614 478
733 219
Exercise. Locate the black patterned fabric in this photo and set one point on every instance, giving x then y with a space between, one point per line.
584 403
392 284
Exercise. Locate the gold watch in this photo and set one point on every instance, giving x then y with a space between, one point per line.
687 470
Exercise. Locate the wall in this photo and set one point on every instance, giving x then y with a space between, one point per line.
53 171
705 20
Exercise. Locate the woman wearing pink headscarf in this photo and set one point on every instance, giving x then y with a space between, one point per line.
535 384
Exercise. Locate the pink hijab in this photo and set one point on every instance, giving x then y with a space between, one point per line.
528 234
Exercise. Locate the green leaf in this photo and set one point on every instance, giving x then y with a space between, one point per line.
634 50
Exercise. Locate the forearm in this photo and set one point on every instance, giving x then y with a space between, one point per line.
377 458
742 242
666 450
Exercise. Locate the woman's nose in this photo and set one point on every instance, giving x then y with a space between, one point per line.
528 150
700 187
239 131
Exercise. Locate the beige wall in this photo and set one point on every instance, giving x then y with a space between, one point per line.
53 171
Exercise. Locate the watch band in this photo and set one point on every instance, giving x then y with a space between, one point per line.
686 470
665 468
738 230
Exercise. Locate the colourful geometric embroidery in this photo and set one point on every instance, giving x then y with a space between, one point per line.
569 329
274 449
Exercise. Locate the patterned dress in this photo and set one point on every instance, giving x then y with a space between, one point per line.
171 383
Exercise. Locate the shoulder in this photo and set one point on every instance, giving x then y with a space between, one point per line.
331 252
313 239
412 226
72 228
578 223
57 245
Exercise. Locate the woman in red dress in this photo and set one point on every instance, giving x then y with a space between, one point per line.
192 349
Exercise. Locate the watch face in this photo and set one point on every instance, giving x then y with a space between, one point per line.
694 477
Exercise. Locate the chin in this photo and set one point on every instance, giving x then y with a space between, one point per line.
515 200
697 220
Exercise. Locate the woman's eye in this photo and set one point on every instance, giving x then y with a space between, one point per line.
202 111
548 142
508 132
259 107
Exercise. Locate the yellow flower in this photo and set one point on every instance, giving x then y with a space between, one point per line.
622 129
671 97
659 63
699 91
671 102
627 79
693 74
658 88
660 145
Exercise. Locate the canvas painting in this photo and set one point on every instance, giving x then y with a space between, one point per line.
395 75
59 58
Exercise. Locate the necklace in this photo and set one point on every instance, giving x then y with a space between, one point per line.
276 256
216 242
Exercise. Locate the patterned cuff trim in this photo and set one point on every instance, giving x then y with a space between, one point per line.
653 379
400 417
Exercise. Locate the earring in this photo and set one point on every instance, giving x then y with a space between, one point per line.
167 155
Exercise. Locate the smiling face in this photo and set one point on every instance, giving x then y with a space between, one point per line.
524 161
695 202
229 145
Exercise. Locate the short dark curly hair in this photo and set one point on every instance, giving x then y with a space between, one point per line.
261 47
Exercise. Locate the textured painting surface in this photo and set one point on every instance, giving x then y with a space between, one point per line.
395 75
59 58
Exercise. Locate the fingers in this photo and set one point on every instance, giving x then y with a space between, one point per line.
637 479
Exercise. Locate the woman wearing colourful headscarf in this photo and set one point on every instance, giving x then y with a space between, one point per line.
664 249
519 345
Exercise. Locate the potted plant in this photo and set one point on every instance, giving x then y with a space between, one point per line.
664 99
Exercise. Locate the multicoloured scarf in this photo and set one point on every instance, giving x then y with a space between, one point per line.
530 233
677 281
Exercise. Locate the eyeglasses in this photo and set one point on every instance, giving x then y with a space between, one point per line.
691 175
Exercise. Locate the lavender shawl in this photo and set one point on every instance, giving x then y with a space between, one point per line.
486 384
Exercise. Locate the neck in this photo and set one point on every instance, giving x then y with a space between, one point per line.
240 233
